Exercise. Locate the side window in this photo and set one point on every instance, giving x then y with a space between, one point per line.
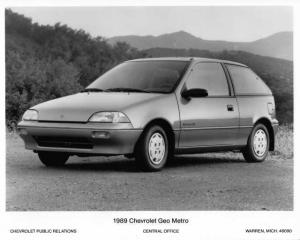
246 82
209 76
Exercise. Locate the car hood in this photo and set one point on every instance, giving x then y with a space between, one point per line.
79 107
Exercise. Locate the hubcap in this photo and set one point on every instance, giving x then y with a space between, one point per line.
156 148
260 142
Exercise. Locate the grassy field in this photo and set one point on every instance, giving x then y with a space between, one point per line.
284 142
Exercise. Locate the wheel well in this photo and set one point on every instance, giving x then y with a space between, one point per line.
268 125
166 126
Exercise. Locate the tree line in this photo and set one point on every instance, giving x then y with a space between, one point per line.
45 62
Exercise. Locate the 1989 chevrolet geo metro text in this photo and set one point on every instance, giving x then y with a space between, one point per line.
153 108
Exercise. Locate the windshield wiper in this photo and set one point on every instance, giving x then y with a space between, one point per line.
126 90
92 90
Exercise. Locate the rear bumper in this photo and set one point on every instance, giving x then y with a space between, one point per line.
76 138
275 126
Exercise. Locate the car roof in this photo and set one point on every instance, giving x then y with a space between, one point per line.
194 59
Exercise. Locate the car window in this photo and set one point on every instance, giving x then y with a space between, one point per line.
152 76
246 82
209 76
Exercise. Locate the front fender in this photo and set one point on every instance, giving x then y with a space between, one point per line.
163 107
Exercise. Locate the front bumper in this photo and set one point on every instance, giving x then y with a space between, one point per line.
79 138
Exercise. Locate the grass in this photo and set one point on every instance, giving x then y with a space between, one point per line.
284 142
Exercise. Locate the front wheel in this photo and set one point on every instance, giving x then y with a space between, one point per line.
258 144
152 150
53 159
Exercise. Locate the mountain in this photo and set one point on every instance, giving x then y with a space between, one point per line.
278 45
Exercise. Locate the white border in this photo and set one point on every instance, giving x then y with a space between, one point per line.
203 224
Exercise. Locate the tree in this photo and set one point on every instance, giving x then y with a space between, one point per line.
46 62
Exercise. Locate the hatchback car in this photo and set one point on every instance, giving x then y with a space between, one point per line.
153 108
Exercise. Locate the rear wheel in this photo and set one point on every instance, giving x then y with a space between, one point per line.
258 144
53 159
152 150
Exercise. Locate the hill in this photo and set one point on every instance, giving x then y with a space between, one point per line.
279 45
46 62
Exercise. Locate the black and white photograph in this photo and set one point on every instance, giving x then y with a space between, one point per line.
122 109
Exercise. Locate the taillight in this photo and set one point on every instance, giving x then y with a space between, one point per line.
271 110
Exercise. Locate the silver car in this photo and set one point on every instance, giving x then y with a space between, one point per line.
153 108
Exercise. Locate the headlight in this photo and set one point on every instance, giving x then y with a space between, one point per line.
30 115
109 117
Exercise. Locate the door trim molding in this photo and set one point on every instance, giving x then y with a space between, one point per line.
208 149
209 128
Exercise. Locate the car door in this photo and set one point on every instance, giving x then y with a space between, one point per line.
212 120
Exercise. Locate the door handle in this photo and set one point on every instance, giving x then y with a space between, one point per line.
230 108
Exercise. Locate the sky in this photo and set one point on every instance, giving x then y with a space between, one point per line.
212 23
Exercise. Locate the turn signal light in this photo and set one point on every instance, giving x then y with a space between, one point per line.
100 134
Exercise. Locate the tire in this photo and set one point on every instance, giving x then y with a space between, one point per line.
258 144
152 149
53 159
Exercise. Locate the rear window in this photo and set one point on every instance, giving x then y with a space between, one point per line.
246 82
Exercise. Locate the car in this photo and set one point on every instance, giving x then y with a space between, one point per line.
153 108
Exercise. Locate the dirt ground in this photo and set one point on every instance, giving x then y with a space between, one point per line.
190 182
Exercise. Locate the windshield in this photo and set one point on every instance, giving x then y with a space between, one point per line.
141 76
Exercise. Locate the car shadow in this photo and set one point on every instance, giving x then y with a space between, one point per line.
111 165
195 160
129 165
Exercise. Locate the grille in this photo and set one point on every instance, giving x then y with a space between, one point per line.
64 142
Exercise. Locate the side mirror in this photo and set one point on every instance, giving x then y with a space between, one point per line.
194 93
